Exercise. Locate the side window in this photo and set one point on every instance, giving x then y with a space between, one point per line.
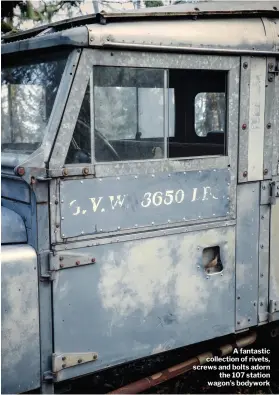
80 146
145 114
128 113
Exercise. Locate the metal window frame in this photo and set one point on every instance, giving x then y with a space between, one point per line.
95 57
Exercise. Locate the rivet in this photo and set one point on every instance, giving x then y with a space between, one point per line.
56 201
79 360
245 65
77 263
100 179
118 227
94 356
61 258
270 78
85 171
207 277
254 303
63 235
153 175
221 274
244 126
169 221
198 267
152 223
238 297
249 320
136 176
262 217
93 260
118 178
82 232
245 173
63 358
262 246
268 125
61 265
262 275
62 218
238 322
136 225
81 182
57 225
64 365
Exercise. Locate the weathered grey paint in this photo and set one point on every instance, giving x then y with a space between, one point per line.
111 204
12 227
144 297
15 188
256 119
247 255
20 319
274 254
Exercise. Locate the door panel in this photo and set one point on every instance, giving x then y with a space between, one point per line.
142 297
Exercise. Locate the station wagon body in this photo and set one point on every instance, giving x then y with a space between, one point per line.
140 186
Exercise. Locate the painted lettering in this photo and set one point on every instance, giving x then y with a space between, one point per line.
95 204
119 200
77 208
194 197
206 192
147 201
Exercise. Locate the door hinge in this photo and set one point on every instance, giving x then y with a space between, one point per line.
273 70
269 192
68 360
49 276
48 376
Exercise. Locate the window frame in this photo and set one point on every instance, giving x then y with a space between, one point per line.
153 60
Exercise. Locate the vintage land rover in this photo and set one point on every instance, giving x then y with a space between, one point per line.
140 186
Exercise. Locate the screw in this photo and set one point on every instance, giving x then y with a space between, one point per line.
265 171
244 126
268 125
245 174
245 65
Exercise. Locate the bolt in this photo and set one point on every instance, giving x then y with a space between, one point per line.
245 65
265 172
77 263
268 125
244 126
245 174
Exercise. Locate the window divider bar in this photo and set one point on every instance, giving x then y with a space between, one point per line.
166 112
92 117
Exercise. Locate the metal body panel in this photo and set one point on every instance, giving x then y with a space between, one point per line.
20 319
16 189
264 263
143 297
274 258
247 254
12 227
275 150
111 204
256 119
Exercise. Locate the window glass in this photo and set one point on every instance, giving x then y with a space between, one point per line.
210 113
27 98
80 146
128 113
